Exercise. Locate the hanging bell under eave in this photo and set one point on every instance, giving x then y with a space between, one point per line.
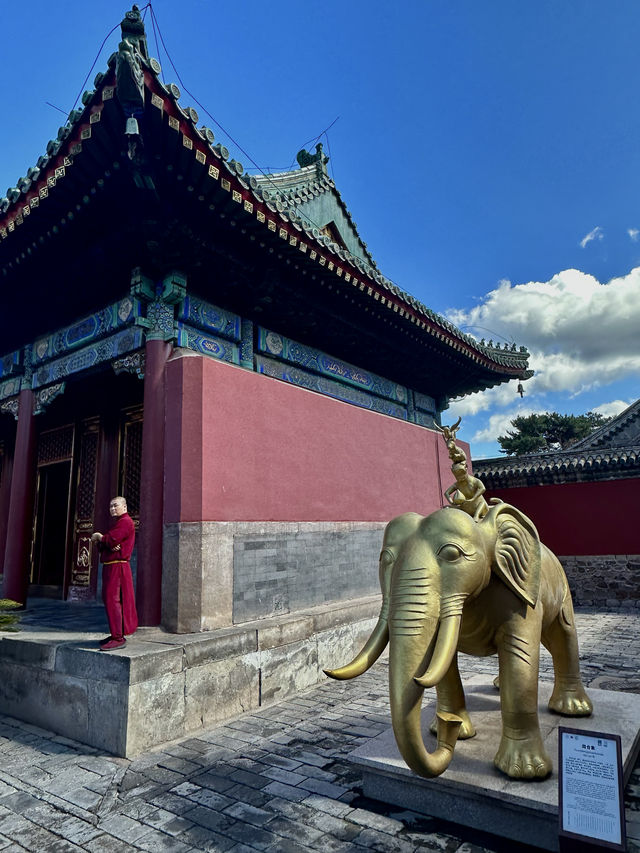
132 128
520 389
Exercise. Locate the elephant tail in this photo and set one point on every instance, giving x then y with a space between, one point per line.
566 610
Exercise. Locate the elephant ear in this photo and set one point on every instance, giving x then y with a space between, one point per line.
517 557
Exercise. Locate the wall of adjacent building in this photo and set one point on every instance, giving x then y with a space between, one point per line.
610 580
581 518
594 530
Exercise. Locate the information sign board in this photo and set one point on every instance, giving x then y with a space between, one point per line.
591 801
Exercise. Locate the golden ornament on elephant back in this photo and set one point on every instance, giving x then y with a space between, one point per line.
478 580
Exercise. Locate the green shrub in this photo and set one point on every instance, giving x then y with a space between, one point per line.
9 619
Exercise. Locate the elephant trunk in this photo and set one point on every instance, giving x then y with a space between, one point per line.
406 658
416 616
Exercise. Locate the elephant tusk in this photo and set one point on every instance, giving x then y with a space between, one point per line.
443 653
367 656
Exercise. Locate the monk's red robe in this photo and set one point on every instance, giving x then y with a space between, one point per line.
118 594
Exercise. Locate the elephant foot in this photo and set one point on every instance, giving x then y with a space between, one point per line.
467 729
496 682
570 701
523 758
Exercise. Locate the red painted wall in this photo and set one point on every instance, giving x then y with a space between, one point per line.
244 447
582 518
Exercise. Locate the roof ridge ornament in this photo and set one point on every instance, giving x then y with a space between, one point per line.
133 32
320 159
132 51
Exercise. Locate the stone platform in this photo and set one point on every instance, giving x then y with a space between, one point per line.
472 792
163 686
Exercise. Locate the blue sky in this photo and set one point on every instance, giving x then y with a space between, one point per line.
488 153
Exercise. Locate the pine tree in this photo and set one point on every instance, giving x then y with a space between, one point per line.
549 431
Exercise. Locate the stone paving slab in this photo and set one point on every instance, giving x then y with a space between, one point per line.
218 791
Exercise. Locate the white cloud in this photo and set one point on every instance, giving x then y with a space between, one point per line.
596 234
501 395
581 334
499 423
610 410
633 233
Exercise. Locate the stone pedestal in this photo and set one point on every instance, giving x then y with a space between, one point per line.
472 792
163 686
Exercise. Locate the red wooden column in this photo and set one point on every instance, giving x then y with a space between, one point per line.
21 498
5 496
149 576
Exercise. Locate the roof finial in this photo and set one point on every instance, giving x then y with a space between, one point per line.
132 27
304 158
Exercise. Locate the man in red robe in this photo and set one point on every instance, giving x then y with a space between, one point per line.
118 595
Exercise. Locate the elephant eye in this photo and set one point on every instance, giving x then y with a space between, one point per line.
386 558
449 552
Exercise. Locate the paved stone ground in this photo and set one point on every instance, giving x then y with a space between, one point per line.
275 780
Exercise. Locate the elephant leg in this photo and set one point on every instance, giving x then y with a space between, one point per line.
451 699
521 753
569 696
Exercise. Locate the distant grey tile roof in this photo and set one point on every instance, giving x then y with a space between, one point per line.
621 431
611 452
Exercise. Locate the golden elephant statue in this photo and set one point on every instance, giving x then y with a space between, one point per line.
450 583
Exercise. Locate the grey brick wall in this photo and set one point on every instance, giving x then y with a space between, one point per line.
282 573
604 581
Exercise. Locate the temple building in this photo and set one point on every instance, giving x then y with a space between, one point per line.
219 348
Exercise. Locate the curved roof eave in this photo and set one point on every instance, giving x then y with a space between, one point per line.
30 194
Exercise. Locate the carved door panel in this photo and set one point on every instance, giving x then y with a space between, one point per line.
130 460
84 561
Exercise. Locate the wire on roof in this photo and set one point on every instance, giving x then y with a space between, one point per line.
491 332
49 104
333 173
155 36
314 140
301 213
269 169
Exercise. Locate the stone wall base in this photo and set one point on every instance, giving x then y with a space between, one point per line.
218 573
604 581
164 686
